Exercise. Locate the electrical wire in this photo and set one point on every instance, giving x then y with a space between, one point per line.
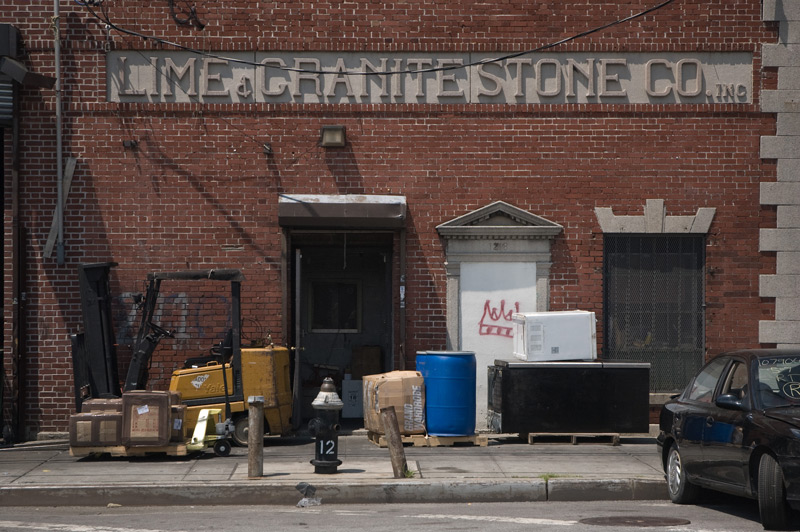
106 20
266 146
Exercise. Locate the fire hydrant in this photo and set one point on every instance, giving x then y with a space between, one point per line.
325 428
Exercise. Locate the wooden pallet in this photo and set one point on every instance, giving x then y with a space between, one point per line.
173 449
573 437
422 440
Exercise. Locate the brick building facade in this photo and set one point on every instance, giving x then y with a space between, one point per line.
647 171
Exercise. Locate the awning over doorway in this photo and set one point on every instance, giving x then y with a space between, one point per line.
346 211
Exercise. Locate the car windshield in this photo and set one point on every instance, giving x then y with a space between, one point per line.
778 381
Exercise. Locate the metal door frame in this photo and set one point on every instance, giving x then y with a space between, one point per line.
291 295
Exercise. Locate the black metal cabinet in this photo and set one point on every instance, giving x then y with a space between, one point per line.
568 397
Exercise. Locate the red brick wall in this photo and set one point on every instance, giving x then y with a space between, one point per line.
199 179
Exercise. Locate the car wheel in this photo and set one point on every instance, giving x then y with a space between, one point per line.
772 505
681 491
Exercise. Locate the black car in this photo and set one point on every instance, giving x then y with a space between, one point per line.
736 429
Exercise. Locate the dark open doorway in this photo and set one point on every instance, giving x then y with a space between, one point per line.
343 322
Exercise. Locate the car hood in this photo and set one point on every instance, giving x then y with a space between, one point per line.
787 414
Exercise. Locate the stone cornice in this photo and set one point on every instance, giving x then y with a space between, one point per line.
655 220
499 220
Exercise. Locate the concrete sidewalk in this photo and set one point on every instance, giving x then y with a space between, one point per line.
508 469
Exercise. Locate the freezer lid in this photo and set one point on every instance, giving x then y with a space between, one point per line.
612 364
576 364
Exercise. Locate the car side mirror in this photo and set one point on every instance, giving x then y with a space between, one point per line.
729 401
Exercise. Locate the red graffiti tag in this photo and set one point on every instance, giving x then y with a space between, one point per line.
491 323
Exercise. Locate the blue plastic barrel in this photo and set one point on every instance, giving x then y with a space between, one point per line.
449 391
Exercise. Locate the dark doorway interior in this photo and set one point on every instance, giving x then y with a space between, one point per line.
345 311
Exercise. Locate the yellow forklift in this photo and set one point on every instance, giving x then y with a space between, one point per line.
251 371
203 385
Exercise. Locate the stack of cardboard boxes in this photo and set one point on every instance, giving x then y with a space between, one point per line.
137 419
99 425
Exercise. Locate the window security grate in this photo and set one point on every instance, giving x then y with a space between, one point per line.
654 311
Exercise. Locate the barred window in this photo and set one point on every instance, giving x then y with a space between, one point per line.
653 305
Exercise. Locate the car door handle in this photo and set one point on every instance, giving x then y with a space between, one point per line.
709 421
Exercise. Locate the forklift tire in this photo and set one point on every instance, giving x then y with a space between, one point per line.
222 448
241 429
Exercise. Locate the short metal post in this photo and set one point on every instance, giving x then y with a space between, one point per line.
255 437
392 430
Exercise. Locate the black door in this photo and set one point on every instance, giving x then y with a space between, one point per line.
344 309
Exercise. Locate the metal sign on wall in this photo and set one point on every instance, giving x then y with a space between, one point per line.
429 78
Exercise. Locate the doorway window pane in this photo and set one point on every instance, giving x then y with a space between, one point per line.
335 306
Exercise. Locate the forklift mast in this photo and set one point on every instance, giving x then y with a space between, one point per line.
94 355
150 334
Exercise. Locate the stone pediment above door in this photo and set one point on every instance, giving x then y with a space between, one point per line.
499 220
496 233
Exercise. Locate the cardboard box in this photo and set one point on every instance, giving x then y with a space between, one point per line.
174 395
146 419
109 428
98 429
113 404
80 430
176 423
353 398
405 391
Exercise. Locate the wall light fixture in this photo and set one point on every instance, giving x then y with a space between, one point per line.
332 137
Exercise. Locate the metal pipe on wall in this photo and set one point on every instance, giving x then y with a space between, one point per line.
402 318
14 428
59 148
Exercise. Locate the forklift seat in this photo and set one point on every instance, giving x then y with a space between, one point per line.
219 353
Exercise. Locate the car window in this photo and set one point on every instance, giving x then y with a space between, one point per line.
703 385
736 382
779 381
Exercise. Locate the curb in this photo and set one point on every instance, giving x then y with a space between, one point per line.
634 489
405 492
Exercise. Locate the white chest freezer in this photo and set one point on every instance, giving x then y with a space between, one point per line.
553 336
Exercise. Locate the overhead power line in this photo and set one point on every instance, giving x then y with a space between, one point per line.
163 42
